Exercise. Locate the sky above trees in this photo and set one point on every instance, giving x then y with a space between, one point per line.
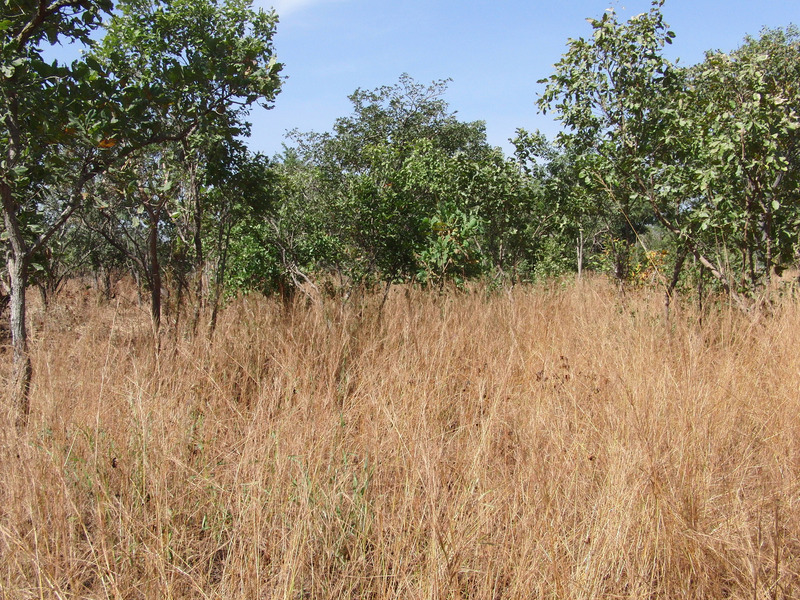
494 51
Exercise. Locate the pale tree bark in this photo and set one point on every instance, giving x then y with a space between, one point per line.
23 369
17 263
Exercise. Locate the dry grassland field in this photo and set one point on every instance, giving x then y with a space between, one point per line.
556 441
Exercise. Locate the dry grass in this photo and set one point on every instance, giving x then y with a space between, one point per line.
551 442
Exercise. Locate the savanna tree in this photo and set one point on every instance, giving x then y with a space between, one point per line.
706 153
608 90
204 64
165 68
409 192
734 176
42 150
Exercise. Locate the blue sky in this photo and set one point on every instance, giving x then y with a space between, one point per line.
494 51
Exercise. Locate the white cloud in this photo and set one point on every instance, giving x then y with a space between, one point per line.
284 7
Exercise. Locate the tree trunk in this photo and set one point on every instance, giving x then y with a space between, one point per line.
199 256
106 275
155 276
676 274
219 281
17 264
767 233
22 369
700 291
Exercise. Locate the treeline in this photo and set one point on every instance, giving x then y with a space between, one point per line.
131 160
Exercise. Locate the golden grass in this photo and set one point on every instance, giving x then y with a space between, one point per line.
547 442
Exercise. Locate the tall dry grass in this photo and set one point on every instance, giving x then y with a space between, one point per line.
548 442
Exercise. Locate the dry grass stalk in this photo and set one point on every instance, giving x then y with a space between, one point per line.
546 442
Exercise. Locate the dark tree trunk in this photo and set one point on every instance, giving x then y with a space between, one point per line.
767 236
199 255
106 276
155 275
676 274
219 281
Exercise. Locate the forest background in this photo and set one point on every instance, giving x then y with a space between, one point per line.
131 159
